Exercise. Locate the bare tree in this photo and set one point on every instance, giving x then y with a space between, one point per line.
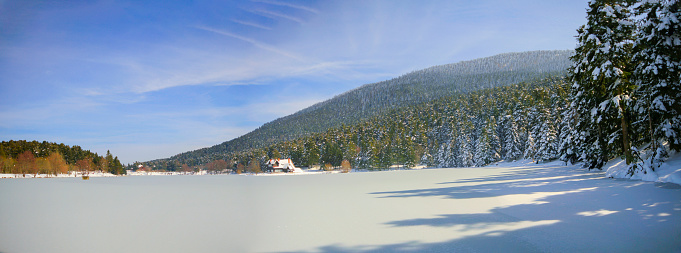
85 165
26 163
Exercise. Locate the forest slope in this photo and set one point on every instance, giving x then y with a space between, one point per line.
373 99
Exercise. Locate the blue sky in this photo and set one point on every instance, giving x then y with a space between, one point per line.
151 79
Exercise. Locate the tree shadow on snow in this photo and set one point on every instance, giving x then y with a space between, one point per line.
547 210
520 182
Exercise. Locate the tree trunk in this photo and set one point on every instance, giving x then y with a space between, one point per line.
650 130
626 147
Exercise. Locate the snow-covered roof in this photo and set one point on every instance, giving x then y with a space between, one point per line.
282 163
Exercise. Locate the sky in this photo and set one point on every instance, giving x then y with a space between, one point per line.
151 79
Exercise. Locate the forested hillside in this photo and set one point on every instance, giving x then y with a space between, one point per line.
468 129
374 99
33 157
474 129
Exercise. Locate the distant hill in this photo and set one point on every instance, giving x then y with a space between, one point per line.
373 99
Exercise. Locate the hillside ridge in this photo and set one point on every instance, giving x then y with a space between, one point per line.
372 99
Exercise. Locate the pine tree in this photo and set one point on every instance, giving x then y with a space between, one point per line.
311 153
658 76
441 155
512 141
494 140
533 128
485 153
568 147
465 156
601 90
546 141
530 144
481 149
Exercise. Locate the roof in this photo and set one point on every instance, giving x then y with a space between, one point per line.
280 163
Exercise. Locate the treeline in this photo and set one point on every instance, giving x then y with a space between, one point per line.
379 98
626 90
474 129
24 157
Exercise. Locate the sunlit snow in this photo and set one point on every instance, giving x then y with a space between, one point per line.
512 207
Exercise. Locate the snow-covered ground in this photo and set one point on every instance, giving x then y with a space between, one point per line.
159 173
668 172
70 174
511 207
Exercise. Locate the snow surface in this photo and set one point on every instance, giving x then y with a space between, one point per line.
668 172
510 207
70 174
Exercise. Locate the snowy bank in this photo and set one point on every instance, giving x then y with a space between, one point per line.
300 172
71 174
668 172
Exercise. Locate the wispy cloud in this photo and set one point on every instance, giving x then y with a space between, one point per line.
301 7
274 15
251 24
253 42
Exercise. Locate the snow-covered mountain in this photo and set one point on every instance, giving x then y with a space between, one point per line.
376 98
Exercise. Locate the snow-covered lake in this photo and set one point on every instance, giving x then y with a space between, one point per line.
516 207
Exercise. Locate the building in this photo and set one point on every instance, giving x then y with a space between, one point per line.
281 165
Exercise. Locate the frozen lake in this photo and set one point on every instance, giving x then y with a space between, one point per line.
514 208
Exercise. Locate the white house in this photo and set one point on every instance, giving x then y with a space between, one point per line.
281 165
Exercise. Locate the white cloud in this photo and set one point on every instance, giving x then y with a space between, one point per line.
274 15
601 212
251 24
252 41
301 7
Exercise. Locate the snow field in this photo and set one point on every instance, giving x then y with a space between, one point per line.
512 207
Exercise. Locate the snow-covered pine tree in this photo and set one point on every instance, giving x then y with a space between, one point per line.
567 146
512 145
494 139
465 157
447 153
532 134
485 153
482 147
601 89
546 140
453 154
658 76
440 156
